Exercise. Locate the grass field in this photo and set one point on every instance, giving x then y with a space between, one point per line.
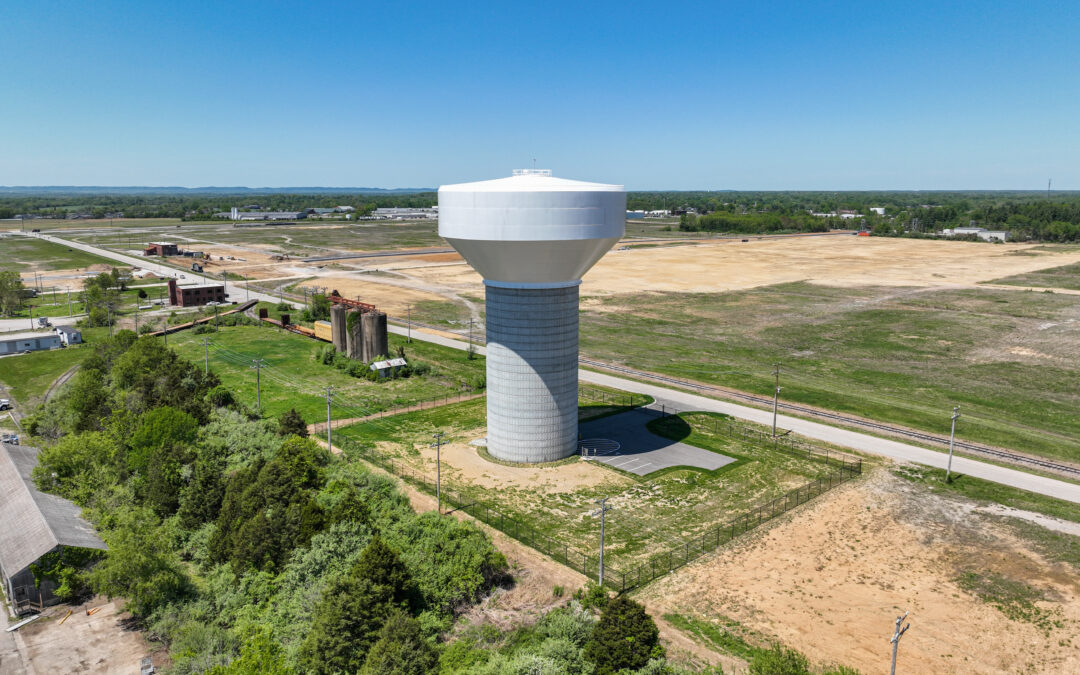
24 254
28 376
650 514
1066 276
897 355
292 378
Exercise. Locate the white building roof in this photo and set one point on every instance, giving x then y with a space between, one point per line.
25 335
530 181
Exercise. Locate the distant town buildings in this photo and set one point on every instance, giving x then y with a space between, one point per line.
237 214
880 210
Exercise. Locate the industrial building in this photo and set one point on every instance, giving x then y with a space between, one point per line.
531 237
237 214
356 328
161 249
397 213
980 232
35 523
17 343
193 296
69 335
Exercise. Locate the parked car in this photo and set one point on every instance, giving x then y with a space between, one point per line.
10 439
5 404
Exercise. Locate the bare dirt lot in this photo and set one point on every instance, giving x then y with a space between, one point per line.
99 643
392 299
830 580
840 260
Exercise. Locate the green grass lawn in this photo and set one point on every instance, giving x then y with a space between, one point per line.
25 254
292 378
28 376
905 356
1066 276
652 514
56 304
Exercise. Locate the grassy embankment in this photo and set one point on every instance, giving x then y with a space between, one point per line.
904 356
1066 276
292 378
652 514
26 254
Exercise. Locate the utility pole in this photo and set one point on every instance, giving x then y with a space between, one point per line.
329 397
897 634
952 437
409 338
257 365
438 469
472 352
206 356
604 508
224 282
108 308
69 302
776 396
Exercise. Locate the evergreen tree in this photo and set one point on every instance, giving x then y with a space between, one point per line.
291 423
400 649
345 624
625 637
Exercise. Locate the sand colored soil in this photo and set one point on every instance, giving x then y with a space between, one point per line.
64 280
841 260
830 579
100 643
394 300
464 462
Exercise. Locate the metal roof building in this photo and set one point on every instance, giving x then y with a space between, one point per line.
34 523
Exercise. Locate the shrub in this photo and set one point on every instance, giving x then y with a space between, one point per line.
779 661
400 649
625 637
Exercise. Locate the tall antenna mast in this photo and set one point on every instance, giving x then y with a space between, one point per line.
1048 181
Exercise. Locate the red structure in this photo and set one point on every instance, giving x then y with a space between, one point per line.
362 306
191 296
161 249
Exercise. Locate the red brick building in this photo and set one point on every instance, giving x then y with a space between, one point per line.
191 296
161 249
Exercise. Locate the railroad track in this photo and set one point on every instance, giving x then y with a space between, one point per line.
995 453
852 421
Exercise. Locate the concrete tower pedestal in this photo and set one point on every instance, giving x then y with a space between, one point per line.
532 372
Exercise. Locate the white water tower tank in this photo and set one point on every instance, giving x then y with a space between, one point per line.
532 237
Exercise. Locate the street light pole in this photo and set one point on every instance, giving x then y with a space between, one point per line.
897 634
257 365
438 469
602 511
952 438
776 397
329 439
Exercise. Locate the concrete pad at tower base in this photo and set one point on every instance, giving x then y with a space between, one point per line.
642 452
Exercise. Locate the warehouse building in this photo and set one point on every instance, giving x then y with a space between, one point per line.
17 343
35 524
193 296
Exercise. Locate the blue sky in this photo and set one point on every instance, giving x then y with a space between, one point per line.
672 95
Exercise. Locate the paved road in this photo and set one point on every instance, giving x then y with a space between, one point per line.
823 432
236 290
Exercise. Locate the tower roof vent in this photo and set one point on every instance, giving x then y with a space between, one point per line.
532 172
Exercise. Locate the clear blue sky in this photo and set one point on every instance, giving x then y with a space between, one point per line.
709 95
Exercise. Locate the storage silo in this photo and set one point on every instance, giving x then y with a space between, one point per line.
337 328
532 237
376 343
354 335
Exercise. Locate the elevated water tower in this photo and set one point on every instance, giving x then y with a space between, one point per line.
532 236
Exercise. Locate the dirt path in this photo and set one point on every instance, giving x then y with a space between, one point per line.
830 578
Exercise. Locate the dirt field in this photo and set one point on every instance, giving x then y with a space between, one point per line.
839 260
100 643
463 462
389 298
830 580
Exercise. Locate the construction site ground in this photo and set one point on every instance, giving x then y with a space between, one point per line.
830 578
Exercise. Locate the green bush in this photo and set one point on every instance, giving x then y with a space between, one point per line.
779 661
625 637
